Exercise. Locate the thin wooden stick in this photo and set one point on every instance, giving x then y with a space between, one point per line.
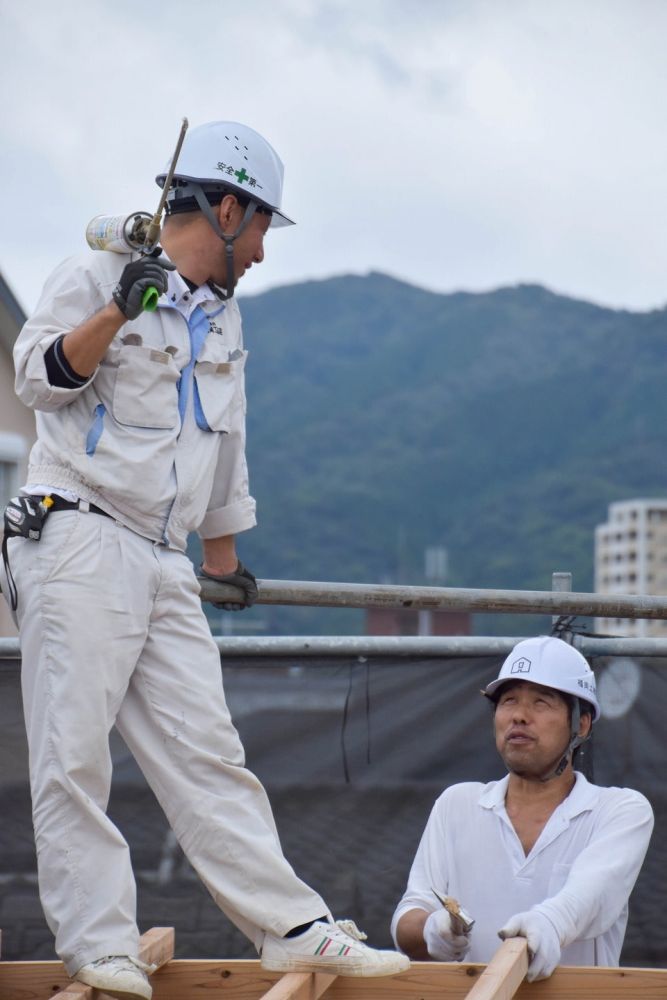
300 986
156 947
505 972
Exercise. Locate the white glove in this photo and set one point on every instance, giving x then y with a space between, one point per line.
542 938
441 941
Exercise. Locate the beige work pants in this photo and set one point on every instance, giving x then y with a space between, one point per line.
112 632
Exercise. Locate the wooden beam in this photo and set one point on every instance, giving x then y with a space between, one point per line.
245 980
300 986
77 991
505 972
156 947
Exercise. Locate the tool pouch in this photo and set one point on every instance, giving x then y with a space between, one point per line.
24 518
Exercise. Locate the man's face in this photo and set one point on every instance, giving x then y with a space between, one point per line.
532 727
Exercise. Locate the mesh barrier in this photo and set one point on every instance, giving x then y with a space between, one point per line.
353 754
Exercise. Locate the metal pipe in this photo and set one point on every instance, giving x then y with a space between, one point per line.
419 647
389 647
367 595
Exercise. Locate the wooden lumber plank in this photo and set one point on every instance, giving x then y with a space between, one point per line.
156 947
184 979
505 972
300 986
77 991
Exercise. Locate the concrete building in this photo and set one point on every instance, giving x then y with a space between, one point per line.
409 621
17 422
631 558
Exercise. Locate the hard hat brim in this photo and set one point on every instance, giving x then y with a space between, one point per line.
278 219
493 686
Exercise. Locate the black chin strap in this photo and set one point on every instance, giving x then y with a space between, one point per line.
575 741
228 238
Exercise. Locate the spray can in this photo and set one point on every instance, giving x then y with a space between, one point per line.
120 233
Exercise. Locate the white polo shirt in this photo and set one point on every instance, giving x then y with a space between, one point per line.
579 873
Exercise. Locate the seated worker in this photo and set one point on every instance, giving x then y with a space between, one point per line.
541 854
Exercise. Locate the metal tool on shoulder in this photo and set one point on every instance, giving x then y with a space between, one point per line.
462 922
24 517
138 231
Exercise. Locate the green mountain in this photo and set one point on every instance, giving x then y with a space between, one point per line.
383 418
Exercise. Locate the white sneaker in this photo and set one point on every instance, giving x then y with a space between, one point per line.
119 976
336 948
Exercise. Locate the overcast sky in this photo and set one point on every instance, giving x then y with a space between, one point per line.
455 144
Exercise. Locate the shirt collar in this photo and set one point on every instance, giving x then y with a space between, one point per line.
582 798
180 296
493 794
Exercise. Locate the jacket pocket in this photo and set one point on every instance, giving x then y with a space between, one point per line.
219 389
145 393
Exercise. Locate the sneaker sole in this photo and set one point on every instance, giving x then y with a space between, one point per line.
358 971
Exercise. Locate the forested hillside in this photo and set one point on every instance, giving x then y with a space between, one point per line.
383 418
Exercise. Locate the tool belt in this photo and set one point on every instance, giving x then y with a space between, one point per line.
24 518
59 503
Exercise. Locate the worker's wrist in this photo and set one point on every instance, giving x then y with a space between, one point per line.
555 921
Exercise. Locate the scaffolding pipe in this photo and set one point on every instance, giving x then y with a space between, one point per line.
395 647
370 595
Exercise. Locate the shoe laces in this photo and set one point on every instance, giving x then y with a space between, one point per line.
126 960
350 928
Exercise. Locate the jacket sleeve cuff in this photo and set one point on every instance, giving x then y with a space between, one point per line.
229 520
43 394
58 369
562 913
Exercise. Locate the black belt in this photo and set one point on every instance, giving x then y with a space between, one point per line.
59 503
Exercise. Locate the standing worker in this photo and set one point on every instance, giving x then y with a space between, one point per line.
140 440
542 854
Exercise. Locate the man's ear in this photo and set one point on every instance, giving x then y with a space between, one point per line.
585 724
226 212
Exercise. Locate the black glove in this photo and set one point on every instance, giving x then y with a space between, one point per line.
137 277
241 577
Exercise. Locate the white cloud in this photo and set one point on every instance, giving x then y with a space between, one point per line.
461 144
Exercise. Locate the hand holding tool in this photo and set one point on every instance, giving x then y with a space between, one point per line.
462 923
149 273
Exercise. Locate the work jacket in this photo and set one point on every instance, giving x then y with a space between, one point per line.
155 437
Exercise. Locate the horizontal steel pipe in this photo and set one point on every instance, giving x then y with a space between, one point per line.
303 648
368 595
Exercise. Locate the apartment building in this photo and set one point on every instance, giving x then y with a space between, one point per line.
631 558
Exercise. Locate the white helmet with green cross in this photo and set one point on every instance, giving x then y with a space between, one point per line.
220 158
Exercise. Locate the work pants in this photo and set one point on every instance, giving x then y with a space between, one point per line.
113 632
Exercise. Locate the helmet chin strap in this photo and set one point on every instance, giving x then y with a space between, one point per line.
228 238
575 741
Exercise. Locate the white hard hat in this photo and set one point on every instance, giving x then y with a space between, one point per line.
552 663
233 156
